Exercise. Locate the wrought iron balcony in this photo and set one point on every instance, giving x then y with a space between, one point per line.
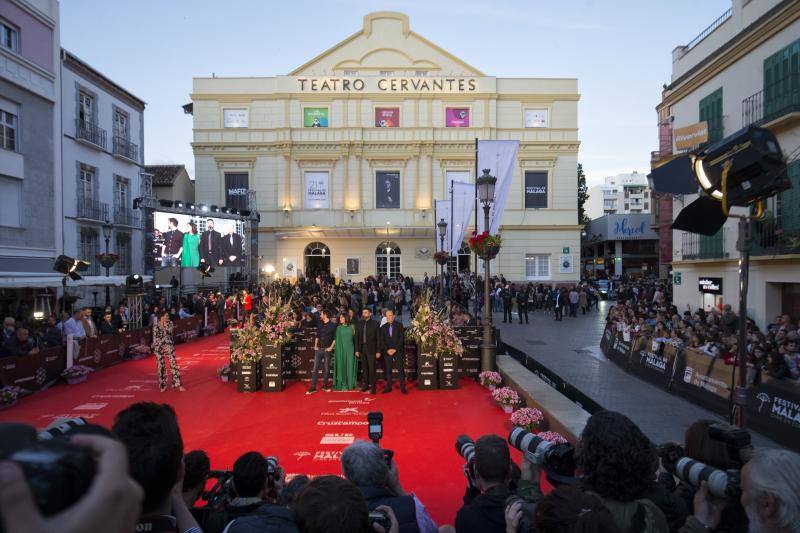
779 233
694 246
145 184
90 132
125 148
87 252
126 216
91 209
773 102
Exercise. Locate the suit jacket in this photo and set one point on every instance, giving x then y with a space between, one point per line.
373 336
229 249
396 340
173 240
212 256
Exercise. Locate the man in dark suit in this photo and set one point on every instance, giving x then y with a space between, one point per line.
392 346
232 247
210 242
219 307
173 241
367 344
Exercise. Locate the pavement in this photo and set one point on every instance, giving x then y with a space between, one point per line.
571 349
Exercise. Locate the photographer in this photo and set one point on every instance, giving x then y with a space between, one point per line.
771 491
486 512
196 467
364 464
251 510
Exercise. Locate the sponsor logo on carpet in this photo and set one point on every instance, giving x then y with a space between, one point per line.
90 406
342 422
338 438
301 455
327 456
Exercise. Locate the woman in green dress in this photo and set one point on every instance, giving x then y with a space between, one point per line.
344 356
190 251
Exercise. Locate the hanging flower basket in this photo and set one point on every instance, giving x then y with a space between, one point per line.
484 245
107 260
441 257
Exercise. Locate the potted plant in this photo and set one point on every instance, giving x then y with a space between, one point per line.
507 398
276 331
246 355
527 418
139 351
441 257
485 245
9 396
490 379
552 436
225 373
76 374
107 260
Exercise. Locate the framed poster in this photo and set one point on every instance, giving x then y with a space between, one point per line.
535 189
315 117
456 117
290 267
234 118
316 190
535 118
387 117
387 190
353 266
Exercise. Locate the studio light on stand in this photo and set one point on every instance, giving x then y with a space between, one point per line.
69 267
741 170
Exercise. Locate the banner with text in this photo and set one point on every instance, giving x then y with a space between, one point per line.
499 157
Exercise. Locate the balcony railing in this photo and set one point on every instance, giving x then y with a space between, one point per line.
694 246
126 216
124 147
145 184
779 234
711 27
90 132
91 209
87 252
773 102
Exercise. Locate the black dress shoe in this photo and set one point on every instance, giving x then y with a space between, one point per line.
386 391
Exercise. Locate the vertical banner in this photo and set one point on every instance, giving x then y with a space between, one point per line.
316 190
236 189
387 190
535 189
499 157
463 206
442 212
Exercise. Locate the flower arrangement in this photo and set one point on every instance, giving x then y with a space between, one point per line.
107 259
527 418
429 331
552 436
506 396
9 395
247 347
76 374
441 257
485 245
139 351
276 325
490 379
225 373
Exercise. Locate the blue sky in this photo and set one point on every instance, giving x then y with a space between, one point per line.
620 51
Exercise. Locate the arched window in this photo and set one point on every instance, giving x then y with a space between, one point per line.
317 259
387 259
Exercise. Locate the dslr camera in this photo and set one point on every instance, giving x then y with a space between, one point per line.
375 428
558 460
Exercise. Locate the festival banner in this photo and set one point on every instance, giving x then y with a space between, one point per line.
316 196
500 157
703 379
101 352
463 208
535 189
619 351
33 372
185 329
315 117
653 361
387 117
773 407
456 117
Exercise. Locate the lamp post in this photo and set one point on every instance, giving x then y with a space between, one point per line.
442 225
485 185
107 228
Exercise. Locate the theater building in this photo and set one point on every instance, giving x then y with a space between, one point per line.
347 154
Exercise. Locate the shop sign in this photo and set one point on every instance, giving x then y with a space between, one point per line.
710 285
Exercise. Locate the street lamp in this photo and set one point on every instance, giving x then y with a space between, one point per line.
107 229
485 185
442 225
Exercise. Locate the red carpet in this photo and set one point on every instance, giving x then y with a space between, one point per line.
306 433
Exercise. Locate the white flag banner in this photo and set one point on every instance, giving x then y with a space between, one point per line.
463 206
442 212
499 157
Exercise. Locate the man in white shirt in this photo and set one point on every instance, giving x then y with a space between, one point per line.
74 326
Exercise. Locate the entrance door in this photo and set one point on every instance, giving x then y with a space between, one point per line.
318 260
387 259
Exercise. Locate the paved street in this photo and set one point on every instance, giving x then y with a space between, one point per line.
571 349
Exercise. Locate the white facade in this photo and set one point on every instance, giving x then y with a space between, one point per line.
623 194
102 145
730 62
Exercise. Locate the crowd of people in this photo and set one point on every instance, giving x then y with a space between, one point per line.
643 309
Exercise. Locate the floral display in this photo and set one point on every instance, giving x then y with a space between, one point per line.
107 260
247 346
485 245
139 351
506 396
429 331
9 395
552 436
489 378
276 324
76 371
441 257
527 418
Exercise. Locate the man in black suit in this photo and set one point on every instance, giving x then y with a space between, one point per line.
392 346
367 344
210 242
219 307
173 241
232 247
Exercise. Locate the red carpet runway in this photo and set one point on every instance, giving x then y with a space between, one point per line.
306 433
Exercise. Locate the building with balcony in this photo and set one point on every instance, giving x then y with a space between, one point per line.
102 170
743 69
622 194
30 193
171 182
349 151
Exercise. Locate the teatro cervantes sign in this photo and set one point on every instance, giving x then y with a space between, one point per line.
383 84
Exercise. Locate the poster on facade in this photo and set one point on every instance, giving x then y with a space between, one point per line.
316 190
535 189
234 118
290 267
456 117
565 264
236 188
536 118
315 117
387 190
353 266
387 117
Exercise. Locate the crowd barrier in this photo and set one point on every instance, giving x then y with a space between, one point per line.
773 406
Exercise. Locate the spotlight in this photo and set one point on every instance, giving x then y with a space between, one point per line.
190 205
202 207
70 267
179 204
134 283
205 270
234 211
244 212
214 209
225 210
137 202
166 203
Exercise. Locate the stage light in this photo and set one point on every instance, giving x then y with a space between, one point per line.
205 270
166 203
214 209
234 211
137 202
190 205
225 210
70 267
179 204
269 269
203 207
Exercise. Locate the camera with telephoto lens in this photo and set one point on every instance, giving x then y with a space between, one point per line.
465 447
558 460
375 429
58 472
721 483
222 492
380 518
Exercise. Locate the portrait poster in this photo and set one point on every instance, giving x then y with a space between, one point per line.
387 117
387 190
536 118
353 266
315 117
316 190
456 117
535 189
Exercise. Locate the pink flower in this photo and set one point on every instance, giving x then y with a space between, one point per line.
552 436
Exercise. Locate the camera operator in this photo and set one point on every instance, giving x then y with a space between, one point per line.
364 464
485 513
251 510
155 454
197 467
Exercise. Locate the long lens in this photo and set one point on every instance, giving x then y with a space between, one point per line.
61 428
693 472
272 464
532 446
465 447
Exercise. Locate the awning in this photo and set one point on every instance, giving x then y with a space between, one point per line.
23 280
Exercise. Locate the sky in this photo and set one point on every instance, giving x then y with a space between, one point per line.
620 51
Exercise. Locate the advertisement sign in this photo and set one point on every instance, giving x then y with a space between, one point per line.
234 118
774 408
387 190
316 190
535 189
289 267
536 118
691 136
710 285
179 240
315 117
236 188
456 117
387 117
